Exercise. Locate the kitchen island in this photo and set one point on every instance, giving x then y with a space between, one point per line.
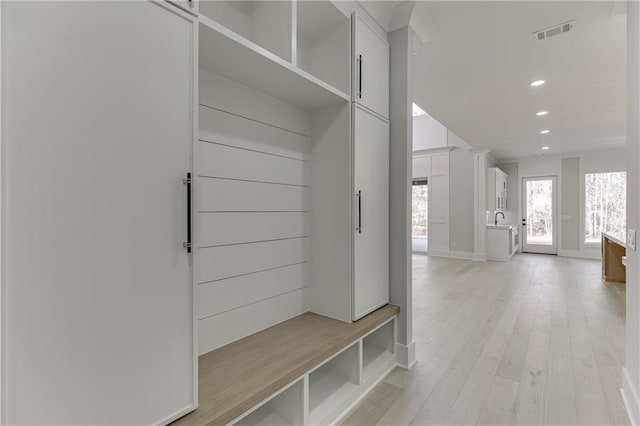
613 252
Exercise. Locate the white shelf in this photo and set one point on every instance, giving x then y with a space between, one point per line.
323 42
265 22
332 384
377 351
283 409
232 56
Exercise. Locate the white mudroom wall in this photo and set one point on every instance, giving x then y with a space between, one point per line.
252 211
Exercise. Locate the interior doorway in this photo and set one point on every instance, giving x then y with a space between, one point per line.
540 229
420 216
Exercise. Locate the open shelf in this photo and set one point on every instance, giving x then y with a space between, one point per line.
324 42
284 409
377 351
266 23
232 56
331 384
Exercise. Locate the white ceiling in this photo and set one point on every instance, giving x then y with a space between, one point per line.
474 77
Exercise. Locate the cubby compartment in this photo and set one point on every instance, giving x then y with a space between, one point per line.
377 351
283 409
324 42
268 24
331 385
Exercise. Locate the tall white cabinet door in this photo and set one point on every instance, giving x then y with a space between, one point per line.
371 178
98 129
371 68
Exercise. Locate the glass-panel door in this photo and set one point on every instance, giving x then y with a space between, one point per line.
420 216
539 221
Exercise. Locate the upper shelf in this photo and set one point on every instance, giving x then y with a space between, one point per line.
230 55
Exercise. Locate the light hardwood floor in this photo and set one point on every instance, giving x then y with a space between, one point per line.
537 340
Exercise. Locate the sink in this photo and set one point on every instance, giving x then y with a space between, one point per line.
499 226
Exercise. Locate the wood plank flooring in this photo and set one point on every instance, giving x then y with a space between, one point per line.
537 340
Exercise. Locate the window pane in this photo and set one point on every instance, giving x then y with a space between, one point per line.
540 212
605 205
419 215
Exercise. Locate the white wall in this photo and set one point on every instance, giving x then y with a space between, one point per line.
252 265
631 371
461 202
570 170
428 133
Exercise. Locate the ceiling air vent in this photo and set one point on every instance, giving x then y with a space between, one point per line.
556 30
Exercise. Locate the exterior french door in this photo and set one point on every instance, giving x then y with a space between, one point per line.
539 215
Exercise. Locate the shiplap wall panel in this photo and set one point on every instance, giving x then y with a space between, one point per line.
221 296
216 229
224 195
229 129
215 263
252 203
227 95
222 160
230 326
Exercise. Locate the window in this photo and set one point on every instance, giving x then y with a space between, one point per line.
605 205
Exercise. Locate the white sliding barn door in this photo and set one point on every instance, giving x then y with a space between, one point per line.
97 136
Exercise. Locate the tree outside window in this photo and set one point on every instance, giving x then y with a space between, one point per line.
605 205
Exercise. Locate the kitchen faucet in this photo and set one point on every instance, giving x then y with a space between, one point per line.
497 213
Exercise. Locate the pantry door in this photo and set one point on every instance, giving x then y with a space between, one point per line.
539 219
98 101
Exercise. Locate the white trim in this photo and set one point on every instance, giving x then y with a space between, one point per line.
431 151
465 255
479 257
580 254
177 415
406 355
630 398
437 252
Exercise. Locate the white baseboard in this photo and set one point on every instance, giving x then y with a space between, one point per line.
465 255
437 252
406 355
580 254
630 398
480 257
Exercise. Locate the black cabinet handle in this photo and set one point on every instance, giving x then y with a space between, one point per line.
360 77
359 228
187 181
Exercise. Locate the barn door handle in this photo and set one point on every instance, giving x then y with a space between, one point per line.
359 76
187 244
359 228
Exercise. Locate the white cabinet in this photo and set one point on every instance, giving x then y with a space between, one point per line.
371 68
371 182
99 97
502 242
496 189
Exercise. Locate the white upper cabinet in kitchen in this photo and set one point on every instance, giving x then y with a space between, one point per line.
496 189
371 68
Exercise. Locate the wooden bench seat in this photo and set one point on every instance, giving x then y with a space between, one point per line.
236 377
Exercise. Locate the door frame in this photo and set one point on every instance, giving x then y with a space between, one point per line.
538 248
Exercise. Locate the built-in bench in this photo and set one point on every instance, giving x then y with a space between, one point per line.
307 370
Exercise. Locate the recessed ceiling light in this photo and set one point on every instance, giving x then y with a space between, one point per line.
537 83
544 132
544 148
541 113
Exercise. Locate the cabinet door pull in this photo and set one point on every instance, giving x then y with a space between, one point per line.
359 76
187 244
359 227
